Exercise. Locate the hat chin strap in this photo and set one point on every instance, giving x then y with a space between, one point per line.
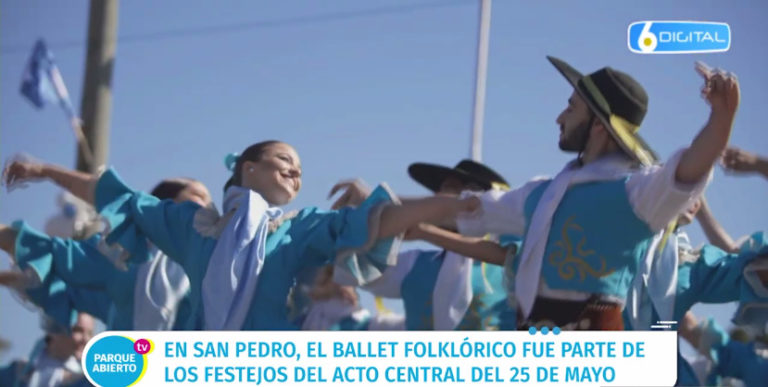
588 129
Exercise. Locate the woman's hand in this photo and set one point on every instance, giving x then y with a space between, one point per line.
737 160
355 192
348 294
416 232
19 170
12 279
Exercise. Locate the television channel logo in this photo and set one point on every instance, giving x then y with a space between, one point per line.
678 37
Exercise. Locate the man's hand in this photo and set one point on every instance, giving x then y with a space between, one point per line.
720 90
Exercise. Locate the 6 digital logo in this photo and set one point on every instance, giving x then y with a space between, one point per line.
678 37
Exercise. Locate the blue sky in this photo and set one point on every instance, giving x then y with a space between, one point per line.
361 89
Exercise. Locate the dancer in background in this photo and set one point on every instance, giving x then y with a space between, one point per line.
674 277
444 289
337 307
729 358
147 292
55 359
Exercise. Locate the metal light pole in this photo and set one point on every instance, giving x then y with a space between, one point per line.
478 113
96 106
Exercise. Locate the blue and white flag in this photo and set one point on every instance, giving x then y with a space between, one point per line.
42 82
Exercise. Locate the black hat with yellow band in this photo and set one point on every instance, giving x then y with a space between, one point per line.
618 100
432 176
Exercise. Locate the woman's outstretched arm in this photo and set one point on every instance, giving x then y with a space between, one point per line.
80 184
8 239
478 248
434 209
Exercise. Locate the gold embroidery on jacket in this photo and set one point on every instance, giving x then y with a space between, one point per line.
569 260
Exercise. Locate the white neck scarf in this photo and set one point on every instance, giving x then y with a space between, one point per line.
233 270
453 291
655 283
160 285
611 167
49 372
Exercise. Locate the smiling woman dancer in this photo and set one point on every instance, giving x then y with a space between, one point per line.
242 265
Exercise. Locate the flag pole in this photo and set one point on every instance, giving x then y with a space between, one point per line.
478 113
85 149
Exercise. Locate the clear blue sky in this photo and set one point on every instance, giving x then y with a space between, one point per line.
361 89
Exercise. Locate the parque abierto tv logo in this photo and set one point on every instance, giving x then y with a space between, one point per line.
678 37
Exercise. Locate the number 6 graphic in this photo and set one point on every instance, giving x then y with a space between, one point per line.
647 40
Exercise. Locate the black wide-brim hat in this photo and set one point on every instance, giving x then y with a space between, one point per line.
618 100
432 176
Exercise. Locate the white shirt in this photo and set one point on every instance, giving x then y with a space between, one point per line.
654 194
